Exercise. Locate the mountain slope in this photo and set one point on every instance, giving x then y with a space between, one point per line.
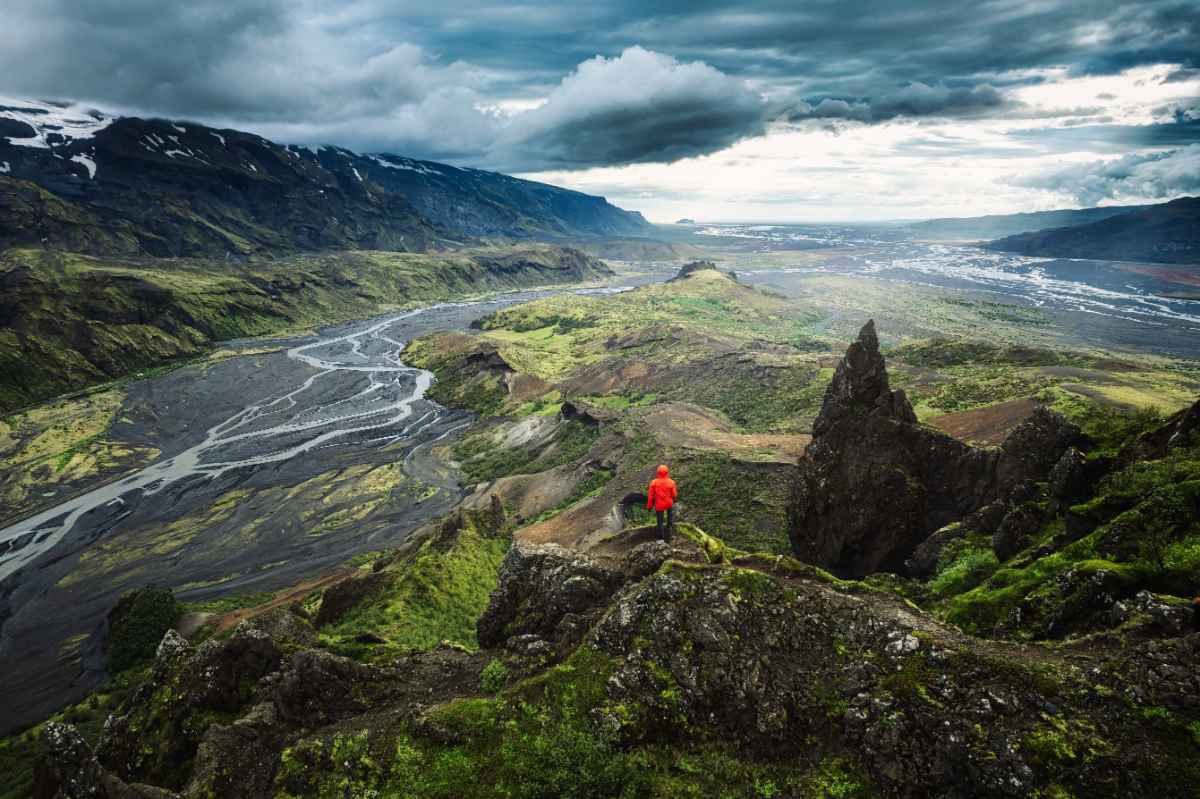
68 321
156 187
995 226
1167 233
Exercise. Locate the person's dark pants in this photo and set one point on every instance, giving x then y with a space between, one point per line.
669 515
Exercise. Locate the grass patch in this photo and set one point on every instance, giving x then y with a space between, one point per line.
434 595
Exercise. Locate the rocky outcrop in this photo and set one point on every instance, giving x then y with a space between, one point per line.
678 645
70 770
874 483
762 651
1181 429
156 737
693 267
547 591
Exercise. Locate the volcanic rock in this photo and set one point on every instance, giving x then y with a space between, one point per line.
874 483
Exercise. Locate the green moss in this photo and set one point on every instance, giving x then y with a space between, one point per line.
544 737
1059 743
964 567
747 583
494 676
1109 427
714 549
141 618
433 595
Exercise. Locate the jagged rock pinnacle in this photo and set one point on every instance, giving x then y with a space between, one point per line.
860 386
874 484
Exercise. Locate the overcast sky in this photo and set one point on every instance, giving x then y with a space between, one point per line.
771 111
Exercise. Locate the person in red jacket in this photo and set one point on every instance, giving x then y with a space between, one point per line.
660 498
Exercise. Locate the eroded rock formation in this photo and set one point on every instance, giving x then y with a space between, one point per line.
874 483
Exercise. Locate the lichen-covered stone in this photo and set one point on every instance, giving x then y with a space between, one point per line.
70 770
285 626
155 736
546 590
1015 530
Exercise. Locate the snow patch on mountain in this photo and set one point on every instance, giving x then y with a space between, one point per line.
53 123
219 137
395 162
88 163
4 167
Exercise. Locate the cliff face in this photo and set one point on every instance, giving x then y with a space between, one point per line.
874 483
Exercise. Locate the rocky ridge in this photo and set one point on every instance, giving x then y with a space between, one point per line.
677 645
614 666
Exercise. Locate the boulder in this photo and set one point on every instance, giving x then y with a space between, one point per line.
645 559
548 591
285 627
1014 531
874 483
316 688
70 770
924 561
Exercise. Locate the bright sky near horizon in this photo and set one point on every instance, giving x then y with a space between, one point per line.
751 111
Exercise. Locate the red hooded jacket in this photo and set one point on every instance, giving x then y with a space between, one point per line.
662 493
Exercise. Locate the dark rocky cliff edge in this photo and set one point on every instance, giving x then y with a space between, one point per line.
668 671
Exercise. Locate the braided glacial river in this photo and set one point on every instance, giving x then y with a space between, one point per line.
261 481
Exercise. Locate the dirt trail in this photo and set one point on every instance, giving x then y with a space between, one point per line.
985 426
295 593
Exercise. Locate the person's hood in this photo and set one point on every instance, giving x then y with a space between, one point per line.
662 471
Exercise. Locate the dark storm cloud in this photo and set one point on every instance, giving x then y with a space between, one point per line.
1109 138
422 78
914 100
639 107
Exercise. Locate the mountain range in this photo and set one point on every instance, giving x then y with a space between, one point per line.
84 181
995 226
1167 233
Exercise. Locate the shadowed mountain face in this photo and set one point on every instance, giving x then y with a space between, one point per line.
131 186
1167 233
